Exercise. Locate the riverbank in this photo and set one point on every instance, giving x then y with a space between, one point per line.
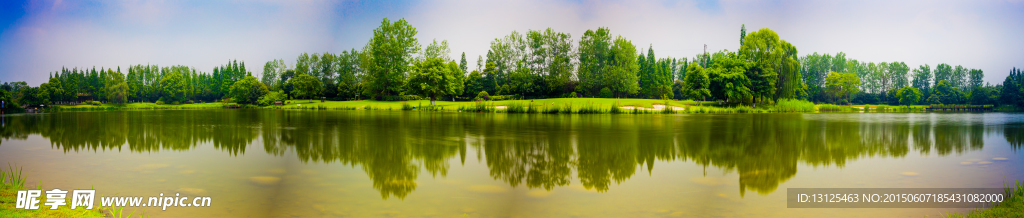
551 105
554 105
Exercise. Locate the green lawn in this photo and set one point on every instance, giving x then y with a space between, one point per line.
601 103
393 105
144 105
397 105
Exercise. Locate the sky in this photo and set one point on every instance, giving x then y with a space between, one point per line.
38 37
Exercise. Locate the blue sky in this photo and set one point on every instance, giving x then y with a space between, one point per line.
38 37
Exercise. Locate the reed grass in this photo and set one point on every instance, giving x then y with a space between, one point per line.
792 105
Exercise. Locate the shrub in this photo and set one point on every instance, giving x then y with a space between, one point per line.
272 97
483 95
12 107
160 101
176 103
406 106
605 93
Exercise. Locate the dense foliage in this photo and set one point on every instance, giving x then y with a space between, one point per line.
535 64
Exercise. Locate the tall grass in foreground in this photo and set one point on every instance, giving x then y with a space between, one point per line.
1013 206
13 179
793 105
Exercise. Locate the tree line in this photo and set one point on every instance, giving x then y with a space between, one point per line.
535 64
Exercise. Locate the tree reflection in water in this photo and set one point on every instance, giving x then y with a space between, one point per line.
538 151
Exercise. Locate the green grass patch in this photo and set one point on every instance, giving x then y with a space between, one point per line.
835 108
1013 206
12 180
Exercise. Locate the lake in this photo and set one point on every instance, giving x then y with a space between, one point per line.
281 163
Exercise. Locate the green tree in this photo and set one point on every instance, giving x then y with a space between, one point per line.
390 53
306 86
743 33
117 90
980 95
474 83
1013 87
173 87
594 51
842 85
766 52
555 61
959 78
790 81
272 72
462 64
51 91
975 79
942 72
696 83
248 90
622 64
728 80
909 95
922 79
437 50
433 78
898 75
946 93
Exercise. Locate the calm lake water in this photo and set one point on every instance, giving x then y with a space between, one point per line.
266 163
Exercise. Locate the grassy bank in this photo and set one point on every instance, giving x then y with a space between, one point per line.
1013 206
551 106
13 179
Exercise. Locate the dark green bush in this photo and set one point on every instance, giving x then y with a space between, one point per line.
605 93
483 95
